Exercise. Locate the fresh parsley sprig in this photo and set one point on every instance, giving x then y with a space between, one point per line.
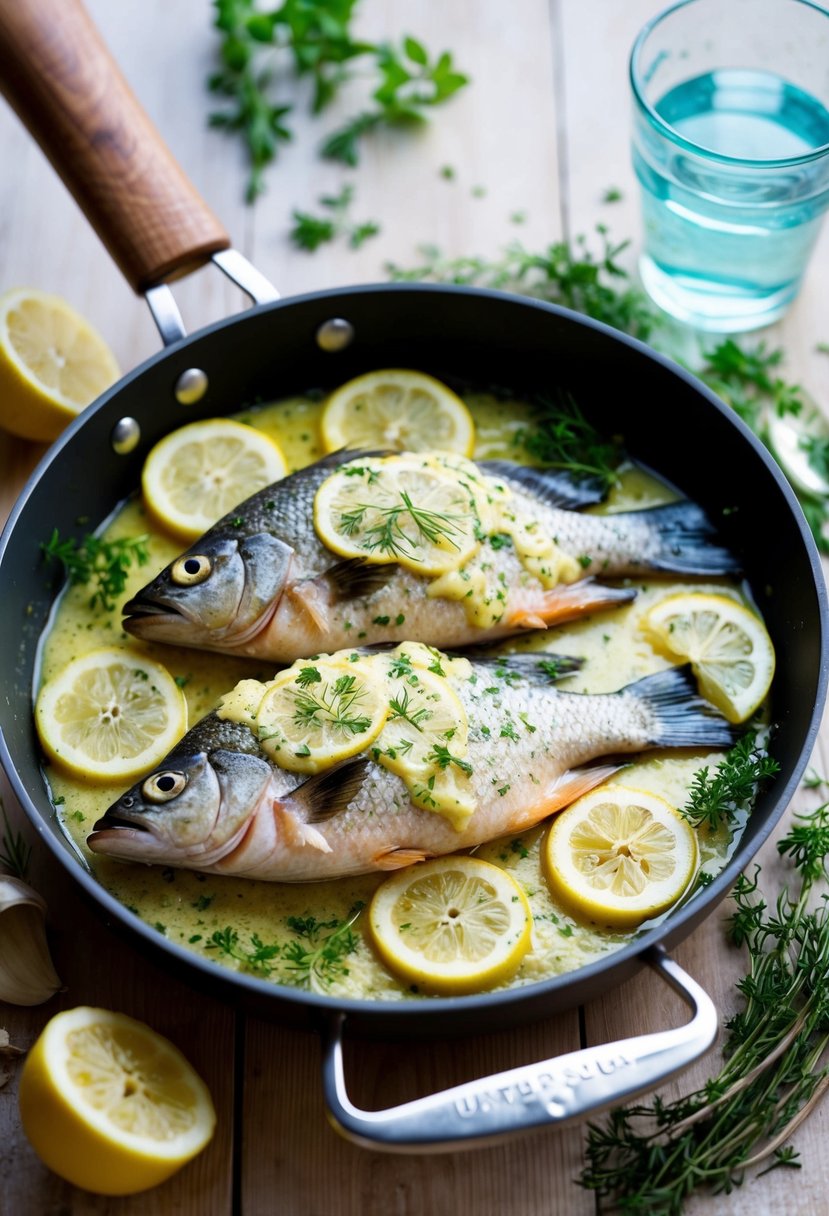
258 957
569 273
104 563
314 37
311 231
650 1158
317 955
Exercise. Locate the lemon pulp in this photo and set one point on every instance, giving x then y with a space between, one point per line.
109 1104
400 409
200 472
619 856
728 646
452 925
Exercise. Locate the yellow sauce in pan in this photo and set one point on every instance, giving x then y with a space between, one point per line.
189 908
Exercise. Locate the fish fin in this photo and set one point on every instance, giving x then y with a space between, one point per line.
568 601
680 717
555 487
561 792
307 597
330 793
355 578
298 833
397 859
686 537
535 666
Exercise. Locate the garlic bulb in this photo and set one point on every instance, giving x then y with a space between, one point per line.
27 976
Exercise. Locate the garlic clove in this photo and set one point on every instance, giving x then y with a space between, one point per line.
27 976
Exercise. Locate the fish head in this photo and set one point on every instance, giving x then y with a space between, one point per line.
219 594
192 811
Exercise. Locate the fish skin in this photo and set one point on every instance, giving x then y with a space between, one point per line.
240 814
276 592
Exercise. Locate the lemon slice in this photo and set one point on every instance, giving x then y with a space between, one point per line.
424 739
400 409
321 711
198 473
619 856
52 364
400 509
729 649
110 715
110 1105
452 925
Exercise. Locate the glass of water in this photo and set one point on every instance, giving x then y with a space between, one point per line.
731 149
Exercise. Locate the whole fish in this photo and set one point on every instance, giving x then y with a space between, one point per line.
261 583
218 804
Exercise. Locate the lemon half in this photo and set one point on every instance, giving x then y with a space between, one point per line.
452 925
109 1104
110 715
400 409
52 364
200 472
619 856
728 646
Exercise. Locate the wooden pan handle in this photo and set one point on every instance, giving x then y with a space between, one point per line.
60 78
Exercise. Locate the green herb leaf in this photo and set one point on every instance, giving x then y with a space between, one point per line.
104 563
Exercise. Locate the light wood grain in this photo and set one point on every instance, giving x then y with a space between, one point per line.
543 130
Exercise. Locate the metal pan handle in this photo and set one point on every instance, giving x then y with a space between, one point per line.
550 1092
58 75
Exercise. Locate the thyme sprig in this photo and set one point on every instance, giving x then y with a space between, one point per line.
650 1158
104 563
320 956
722 798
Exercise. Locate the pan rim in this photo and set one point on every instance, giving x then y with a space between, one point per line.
673 928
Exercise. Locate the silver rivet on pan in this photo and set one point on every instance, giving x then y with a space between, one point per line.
125 436
335 335
191 386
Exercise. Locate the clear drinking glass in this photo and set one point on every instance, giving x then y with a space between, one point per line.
731 149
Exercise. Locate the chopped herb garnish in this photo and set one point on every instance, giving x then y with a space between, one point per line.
104 563
318 958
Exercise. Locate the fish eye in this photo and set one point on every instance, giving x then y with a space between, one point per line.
161 787
190 570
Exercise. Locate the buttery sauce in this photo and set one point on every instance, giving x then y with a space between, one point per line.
289 933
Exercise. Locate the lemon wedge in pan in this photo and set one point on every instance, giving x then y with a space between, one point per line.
452 925
110 715
200 472
400 409
110 1105
727 644
618 856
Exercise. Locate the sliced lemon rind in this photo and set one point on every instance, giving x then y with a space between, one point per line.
164 462
721 674
71 758
456 976
351 418
571 885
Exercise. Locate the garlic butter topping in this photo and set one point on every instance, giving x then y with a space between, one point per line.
440 516
398 708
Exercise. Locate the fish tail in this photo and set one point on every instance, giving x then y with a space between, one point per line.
681 717
567 602
686 541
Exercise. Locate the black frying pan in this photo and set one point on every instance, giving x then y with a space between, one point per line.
51 65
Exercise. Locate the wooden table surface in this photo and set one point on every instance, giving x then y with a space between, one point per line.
543 130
